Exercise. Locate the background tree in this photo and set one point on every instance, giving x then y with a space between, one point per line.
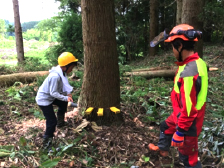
18 32
153 24
132 22
190 15
132 26
179 12
2 28
101 83
69 36
212 17
70 5
29 25
10 29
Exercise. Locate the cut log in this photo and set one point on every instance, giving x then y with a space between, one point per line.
26 77
154 68
213 69
152 74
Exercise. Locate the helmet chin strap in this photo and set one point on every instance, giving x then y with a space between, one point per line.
180 56
180 59
65 72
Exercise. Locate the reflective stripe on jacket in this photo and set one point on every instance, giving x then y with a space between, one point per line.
189 95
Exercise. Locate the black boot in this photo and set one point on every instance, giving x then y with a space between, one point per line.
47 143
61 122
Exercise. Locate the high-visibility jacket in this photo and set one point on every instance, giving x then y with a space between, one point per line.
189 95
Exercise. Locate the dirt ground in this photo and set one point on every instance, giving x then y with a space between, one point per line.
124 144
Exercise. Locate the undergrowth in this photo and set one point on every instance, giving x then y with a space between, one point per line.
147 99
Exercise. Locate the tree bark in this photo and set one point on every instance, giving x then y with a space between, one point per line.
179 12
26 77
153 24
18 32
101 82
190 15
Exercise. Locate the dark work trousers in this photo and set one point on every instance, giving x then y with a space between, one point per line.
51 120
188 154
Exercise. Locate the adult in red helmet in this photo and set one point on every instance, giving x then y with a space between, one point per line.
56 90
182 128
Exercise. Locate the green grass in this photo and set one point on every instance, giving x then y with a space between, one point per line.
34 56
7 44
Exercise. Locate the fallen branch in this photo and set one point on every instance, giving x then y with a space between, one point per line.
26 77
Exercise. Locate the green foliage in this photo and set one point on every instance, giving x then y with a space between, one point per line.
132 27
213 20
35 61
9 44
70 38
53 52
31 34
6 69
70 35
10 30
18 93
52 24
211 137
49 28
70 5
29 25
35 34
40 80
77 84
2 28
75 148
51 162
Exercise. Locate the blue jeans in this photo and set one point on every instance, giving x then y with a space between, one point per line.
49 114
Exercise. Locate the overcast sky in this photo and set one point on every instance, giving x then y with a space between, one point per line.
30 10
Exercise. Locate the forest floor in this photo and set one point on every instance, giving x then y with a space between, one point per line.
22 127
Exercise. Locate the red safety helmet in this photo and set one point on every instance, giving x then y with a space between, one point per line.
185 32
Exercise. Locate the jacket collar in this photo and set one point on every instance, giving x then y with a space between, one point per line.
188 59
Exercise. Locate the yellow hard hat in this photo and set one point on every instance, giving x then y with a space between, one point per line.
66 58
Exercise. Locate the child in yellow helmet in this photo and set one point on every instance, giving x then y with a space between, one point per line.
56 90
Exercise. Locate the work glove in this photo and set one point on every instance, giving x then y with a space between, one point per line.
178 139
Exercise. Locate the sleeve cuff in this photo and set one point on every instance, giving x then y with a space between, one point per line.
181 130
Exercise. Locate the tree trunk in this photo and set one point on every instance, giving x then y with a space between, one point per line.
179 12
146 32
18 32
101 83
26 77
153 24
190 15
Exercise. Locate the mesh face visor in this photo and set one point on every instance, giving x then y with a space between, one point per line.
161 37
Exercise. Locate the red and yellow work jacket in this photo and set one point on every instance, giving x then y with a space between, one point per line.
189 95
